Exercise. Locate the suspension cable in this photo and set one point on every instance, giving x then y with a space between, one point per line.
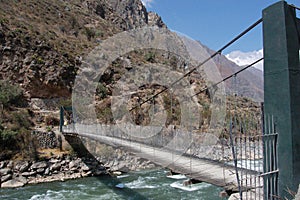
228 77
292 5
202 63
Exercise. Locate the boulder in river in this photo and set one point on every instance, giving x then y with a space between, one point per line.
12 184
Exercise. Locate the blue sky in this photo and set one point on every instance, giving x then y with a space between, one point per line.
215 22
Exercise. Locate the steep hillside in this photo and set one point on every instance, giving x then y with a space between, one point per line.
42 46
43 42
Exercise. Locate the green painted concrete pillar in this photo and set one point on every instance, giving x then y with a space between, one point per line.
282 90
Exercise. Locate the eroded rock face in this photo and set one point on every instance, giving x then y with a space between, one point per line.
43 54
155 20
126 14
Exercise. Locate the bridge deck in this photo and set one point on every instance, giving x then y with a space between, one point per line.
200 169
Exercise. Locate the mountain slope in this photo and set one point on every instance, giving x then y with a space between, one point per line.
42 42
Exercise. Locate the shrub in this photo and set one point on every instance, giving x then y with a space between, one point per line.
9 94
20 120
101 91
150 57
8 139
74 22
90 33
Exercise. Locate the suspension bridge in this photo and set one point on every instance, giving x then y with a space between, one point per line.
202 169
255 147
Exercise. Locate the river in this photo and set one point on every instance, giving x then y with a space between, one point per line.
141 185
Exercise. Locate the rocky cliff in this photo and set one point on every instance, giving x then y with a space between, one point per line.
42 42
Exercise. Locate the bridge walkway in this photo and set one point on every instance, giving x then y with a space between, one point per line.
205 170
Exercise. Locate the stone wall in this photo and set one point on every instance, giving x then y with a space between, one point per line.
47 140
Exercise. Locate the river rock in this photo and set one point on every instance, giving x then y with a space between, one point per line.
5 171
101 167
123 168
99 172
10 164
151 166
84 167
72 164
28 173
116 173
86 174
47 171
55 166
75 164
22 166
40 170
38 165
2 164
22 179
12 184
223 194
53 160
6 178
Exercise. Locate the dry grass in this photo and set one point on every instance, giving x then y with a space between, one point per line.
48 153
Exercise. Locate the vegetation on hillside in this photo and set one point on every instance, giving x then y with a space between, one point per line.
15 123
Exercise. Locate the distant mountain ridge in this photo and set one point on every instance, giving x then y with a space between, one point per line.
248 83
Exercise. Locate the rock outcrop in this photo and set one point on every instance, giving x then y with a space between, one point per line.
125 14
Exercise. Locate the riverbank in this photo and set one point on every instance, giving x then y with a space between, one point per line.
60 168
64 167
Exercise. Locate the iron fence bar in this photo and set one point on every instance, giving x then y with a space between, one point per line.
235 158
255 167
